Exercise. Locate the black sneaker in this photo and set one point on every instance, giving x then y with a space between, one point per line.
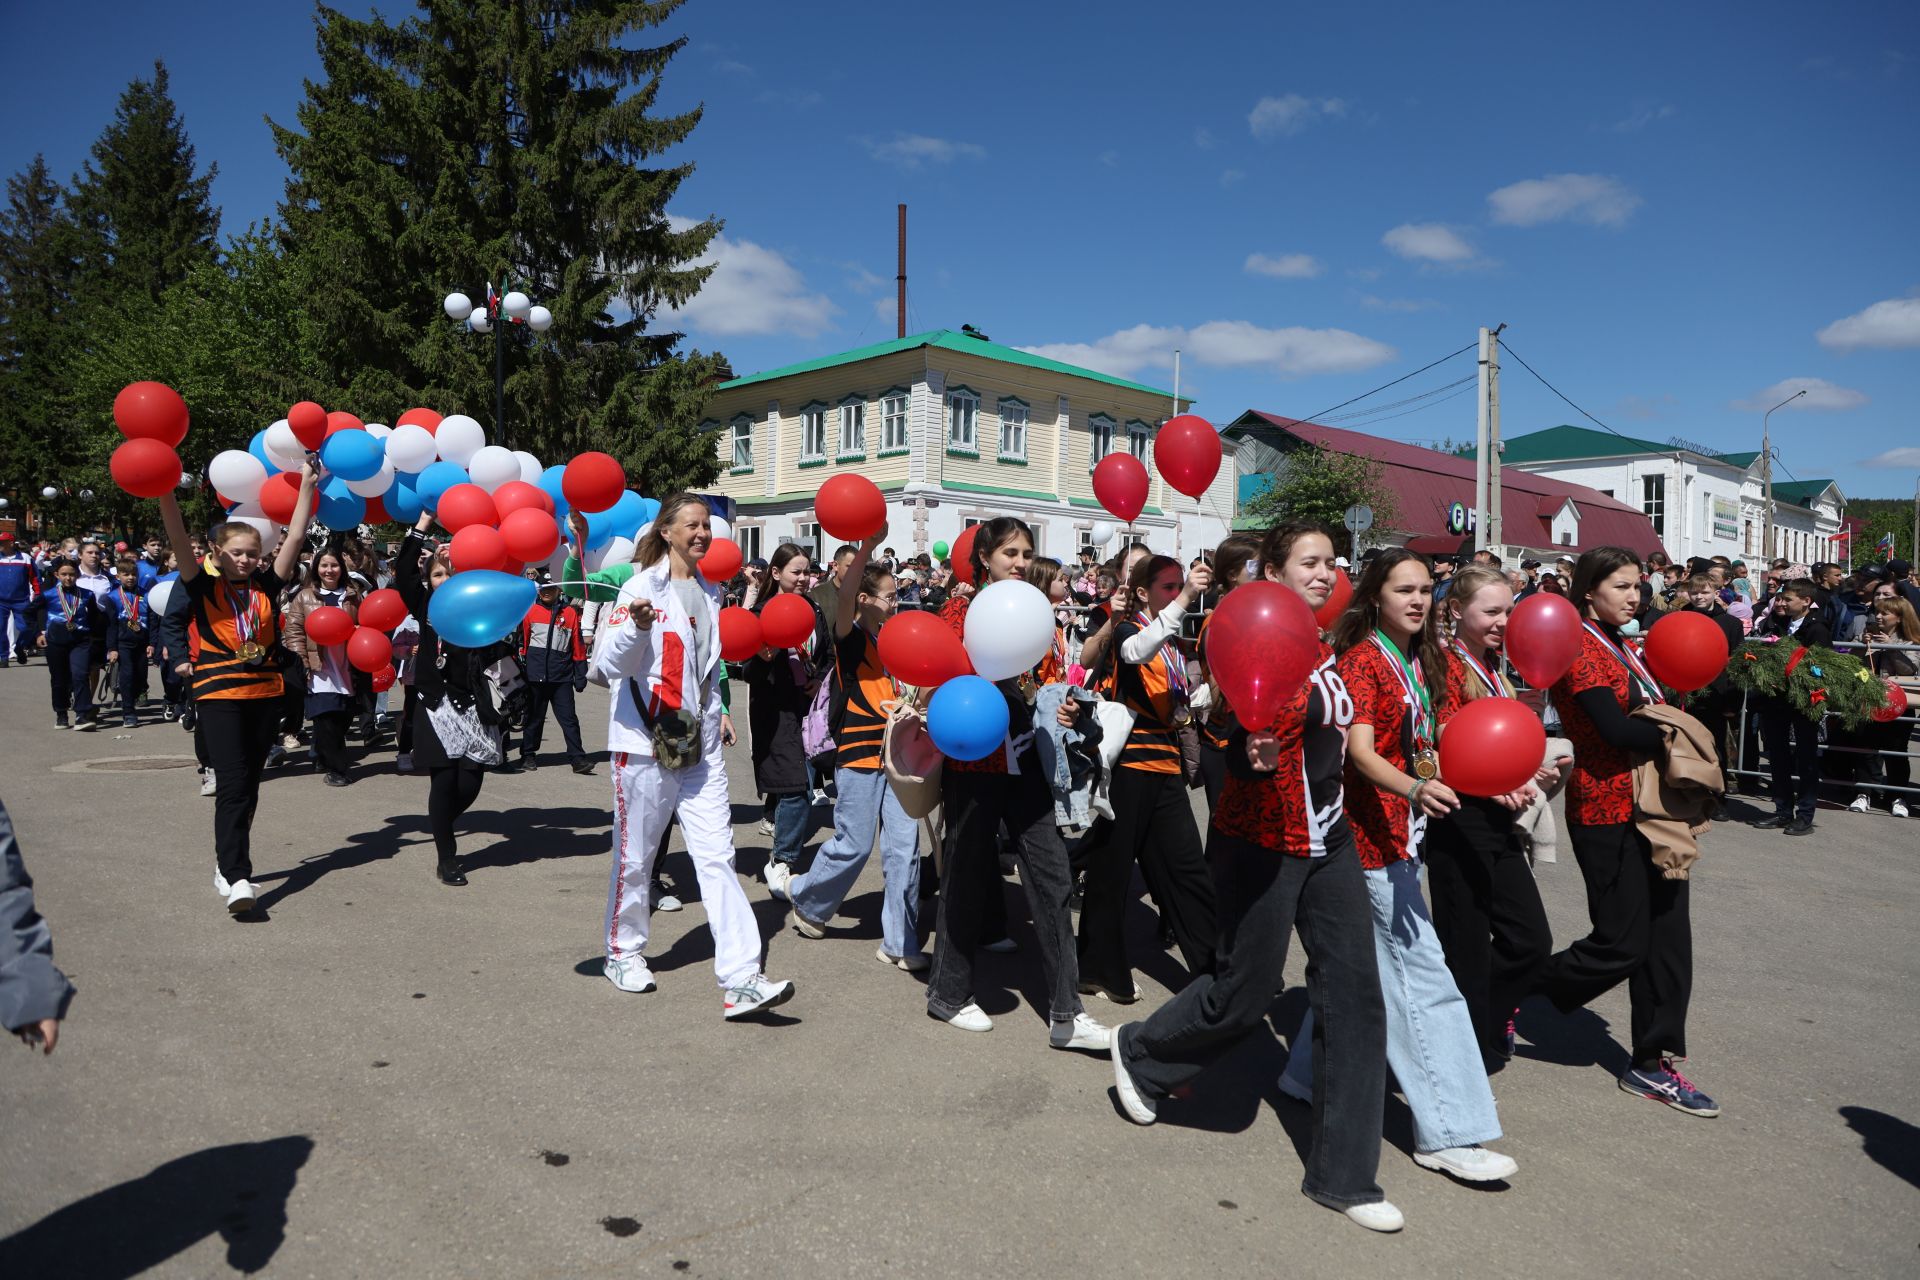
85 724
129 722
1665 1084
1773 822
1800 827
529 763
583 766
510 766
60 720
339 780
169 713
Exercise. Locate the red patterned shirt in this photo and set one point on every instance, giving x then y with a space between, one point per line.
1298 808
1382 833
1600 792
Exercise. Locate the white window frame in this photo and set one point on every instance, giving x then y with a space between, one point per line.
1015 418
741 432
1653 503
749 538
1100 429
853 430
806 533
895 418
813 435
1140 442
963 407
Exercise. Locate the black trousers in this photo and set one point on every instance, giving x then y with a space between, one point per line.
542 694
69 664
1795 767
1153 825
1487 914
330 740
133 675
451 793
1642 934
293 703
1325 898
403 735
238 733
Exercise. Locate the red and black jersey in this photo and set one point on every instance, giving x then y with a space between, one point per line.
1600 792
1382 830
1298 808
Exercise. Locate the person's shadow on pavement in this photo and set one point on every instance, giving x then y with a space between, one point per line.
1888 1141
239 1192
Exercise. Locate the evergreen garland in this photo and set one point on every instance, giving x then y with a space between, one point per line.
1821 682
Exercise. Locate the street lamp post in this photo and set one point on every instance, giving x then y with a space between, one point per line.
494 315
1766 471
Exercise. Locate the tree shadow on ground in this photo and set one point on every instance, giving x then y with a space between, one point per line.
238 1192
1888 1141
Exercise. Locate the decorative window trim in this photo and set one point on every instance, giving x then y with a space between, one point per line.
1095 421
733 444
905 396
1026 425
971 450
842 454
813 458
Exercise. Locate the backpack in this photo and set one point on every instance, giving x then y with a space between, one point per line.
816 728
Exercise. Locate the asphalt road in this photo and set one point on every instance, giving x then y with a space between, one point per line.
381 1076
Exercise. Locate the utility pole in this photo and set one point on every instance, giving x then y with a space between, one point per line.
1495 535
1480 437
1913 551
1766 472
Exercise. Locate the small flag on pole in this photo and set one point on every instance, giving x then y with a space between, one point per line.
1884 548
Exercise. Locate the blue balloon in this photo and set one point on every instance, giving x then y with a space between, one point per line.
627 515
649 508
603 527
258 448
352 455
436 480
967 718
480 606
550 483
402 499
339 507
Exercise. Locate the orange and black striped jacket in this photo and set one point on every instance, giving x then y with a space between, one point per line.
860 686
1145 689
214 635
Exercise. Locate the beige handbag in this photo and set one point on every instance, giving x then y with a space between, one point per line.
912 762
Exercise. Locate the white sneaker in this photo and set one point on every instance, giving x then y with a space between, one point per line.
1899 809
1378 1216
240 898
807 928
756 993
664 901
912 962
1469 1164
220 885
1139 1108
970 1018
766 828
1082 1033
779 877
1289 1089
630 974
1860 804
208 785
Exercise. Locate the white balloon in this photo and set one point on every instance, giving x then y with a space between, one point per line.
378 430
721 529
1009 628
249 513
458 306
516 305
539 319
530 468
284 447
617 551
491 466
411 449
458 439
1100 535
376 484
161 596
237 474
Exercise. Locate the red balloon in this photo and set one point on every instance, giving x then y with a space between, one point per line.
592 482
722 561
368 650
1686 651
478 546
151 411
329 625
1492 746
1894 707
341 420
917 648
1261 646
850 507
960 554
145 467
309 423
383 678
376 512
278 496
466 504
787 620
1543 639
516 494
383 610
1120 482
419 418
1329 613
530 534
740 635
1187 451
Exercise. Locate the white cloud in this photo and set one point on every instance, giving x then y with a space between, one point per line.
1890 324
1643 115
912 150
1231 178
861 280
1293 352
1374 303
1645 408
753 290
1898 458
1821 394
1428 242
1203 138
1285 266
1593 198
1279 117
733 67
1111 159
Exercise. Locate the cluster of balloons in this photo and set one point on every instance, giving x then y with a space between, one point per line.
1187 451
369 642
154 419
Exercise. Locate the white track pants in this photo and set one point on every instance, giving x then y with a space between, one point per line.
645 798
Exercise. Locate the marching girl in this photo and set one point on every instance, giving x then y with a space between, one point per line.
1391 663
1152 816
1007 787
1282 828
1486 907
71 618
330 697
1234 561
783 683
659 650
1642 931
233 631
1050 576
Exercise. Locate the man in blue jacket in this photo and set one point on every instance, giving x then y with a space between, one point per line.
556 663
19 594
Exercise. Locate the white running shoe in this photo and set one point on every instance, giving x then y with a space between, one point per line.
1139 1107
1378 1216
756 993
779 877
1469 1164
766 828
912 962
208 784
220 885
630 974
1899 809
1082 1033
970 1018
240 898
662 900
808 928
1860 804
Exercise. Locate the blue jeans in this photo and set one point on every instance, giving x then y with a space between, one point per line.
1430 1041
867 807
792 824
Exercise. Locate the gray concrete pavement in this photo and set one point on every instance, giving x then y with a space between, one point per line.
386 1077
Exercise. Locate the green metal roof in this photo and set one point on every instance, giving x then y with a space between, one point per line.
949 340
1557 444
1740 459
1799 492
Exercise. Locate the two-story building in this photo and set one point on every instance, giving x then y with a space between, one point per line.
956 430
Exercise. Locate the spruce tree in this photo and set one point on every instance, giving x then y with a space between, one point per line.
491 140
37 269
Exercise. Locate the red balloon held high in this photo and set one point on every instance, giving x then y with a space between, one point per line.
592 482
309 423
151 411
145 467
426 419
530 534
341 420
850 507
515 494
1187 451
1120 482
278 496
464 505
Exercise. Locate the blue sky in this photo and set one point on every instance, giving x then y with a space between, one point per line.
1681 211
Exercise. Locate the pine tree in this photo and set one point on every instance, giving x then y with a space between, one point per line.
37 270
491 140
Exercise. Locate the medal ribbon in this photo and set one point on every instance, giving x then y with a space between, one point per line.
244 623
132 606
1175 661
66 607
1494 685
1631 661
1412 685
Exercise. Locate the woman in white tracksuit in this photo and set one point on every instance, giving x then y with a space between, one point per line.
660 644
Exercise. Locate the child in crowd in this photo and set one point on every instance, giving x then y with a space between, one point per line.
70 619
129 638
556 663
1792 740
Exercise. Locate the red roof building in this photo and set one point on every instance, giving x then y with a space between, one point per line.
1537 514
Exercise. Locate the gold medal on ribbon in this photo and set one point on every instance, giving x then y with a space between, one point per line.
1426 766
250 652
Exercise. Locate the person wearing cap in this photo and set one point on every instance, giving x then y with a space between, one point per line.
19 594
1902 575
556 666
1443 567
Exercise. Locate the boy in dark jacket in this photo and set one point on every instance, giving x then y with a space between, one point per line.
1792 740
70 620
556 663
1717 705
129 638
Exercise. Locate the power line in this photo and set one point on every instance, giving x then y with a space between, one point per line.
1313 417
1422 408
1549 386
1384 408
